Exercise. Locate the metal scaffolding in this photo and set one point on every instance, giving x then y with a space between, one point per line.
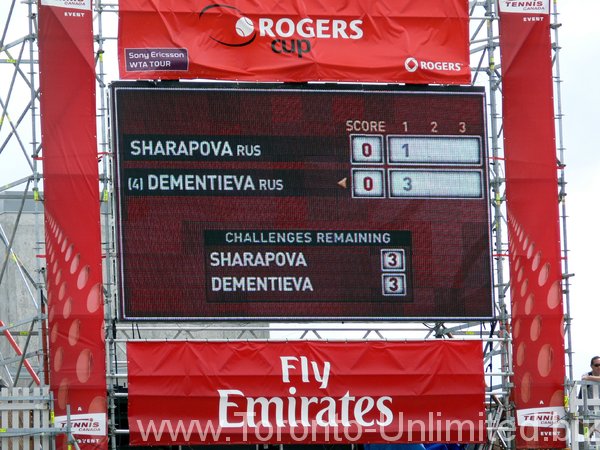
23 362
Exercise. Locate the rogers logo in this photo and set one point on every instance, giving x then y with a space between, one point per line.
228 26
412 65
309 28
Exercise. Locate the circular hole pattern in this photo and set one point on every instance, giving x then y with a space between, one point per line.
74 331
554 295
75 263
521 354
69 253
84 276
544 274
83 366
536 328
536 261
545 360
63 393
530 250
526 387
525 244
94 298
524 287
517 328
98 405
68 308
62 291
58 359
529 303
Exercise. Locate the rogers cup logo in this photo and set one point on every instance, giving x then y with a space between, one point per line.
525 6
229 26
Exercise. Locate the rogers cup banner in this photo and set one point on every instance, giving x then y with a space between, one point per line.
305 392
533 223
421 42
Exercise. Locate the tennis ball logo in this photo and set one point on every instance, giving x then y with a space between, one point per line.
244 27
227 25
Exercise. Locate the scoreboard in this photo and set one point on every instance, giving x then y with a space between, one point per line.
275 201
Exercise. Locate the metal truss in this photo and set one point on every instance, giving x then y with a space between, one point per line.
22 300
21 186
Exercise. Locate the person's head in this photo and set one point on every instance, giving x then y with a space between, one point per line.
595 365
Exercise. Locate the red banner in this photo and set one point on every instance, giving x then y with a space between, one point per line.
386 41
305 392
531 189
72 220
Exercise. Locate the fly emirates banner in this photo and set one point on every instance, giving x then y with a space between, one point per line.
305 392
425 41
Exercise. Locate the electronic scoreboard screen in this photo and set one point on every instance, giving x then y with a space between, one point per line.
301 202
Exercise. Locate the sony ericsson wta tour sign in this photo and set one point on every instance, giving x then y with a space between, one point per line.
305 392
269 40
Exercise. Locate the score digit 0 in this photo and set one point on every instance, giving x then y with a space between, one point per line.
368 183
366 148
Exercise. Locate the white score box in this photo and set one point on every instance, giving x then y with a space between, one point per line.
393 284
368 183
367 149
436 183
392 259
434 150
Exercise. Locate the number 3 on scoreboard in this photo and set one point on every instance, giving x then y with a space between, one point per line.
407 185
393 284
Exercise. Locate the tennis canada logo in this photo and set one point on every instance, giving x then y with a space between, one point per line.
72 4
93 424
548 423
525 6
229 26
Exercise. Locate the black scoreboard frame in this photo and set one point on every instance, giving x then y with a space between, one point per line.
301 202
